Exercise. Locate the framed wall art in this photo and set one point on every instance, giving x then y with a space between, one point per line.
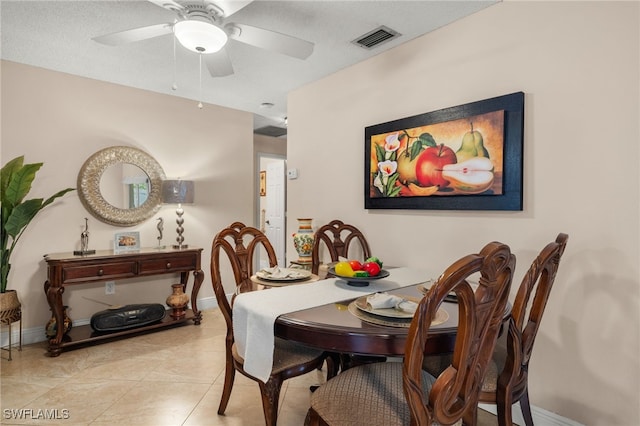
126 241
467 157
263 183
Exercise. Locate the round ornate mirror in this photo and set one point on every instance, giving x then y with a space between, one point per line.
121 185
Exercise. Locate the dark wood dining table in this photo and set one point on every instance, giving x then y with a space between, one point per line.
332 327
320 314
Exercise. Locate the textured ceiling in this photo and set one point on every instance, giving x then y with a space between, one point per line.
57 35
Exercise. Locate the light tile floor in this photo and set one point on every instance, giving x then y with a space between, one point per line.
171 377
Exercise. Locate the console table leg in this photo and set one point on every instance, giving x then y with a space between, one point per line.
54 297
198 277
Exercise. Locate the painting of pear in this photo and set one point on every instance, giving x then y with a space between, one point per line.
472 146
407 168
472 176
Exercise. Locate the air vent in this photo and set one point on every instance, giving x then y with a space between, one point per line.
376 37
272 131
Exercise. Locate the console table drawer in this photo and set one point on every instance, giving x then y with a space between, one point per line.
178 264
99 272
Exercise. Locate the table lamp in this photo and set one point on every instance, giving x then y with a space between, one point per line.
178 192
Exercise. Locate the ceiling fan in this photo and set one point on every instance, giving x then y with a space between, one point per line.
200 27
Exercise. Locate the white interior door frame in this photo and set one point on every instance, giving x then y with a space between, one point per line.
270 215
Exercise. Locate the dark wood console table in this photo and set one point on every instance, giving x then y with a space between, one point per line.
66 269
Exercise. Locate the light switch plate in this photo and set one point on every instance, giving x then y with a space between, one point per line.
292 173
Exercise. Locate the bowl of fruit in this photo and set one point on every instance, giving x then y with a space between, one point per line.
358 274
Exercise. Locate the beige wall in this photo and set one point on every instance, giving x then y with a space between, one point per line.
577 63
61 120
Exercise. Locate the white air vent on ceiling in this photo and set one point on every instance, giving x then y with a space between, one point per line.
376 37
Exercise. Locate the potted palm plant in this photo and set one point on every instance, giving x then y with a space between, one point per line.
17 213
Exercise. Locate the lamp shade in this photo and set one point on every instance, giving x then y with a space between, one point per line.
177 191
199 36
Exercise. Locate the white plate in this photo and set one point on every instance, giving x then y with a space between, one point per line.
361 303
285 275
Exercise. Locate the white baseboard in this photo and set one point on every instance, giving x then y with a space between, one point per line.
541 417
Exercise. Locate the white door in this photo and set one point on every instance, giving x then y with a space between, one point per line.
275 211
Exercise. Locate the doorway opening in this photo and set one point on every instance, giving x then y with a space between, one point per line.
270 215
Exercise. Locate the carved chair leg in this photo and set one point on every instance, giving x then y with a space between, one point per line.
229 377
270 392
504 404
470 417
526 408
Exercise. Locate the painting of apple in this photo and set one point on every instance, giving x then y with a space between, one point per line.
431 163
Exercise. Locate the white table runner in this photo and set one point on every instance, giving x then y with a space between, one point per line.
254 313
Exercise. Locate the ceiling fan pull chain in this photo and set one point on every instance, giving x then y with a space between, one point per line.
174 86
200 70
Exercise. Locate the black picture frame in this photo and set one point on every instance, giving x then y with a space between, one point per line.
511 197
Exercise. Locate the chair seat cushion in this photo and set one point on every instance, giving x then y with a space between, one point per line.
495 367
366 395
286 354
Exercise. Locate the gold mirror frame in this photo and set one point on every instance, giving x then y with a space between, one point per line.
89 185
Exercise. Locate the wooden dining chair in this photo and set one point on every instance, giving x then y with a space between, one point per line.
240 243
506 380
337 237
402 393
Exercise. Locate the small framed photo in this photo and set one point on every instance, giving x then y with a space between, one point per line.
126 241
263 183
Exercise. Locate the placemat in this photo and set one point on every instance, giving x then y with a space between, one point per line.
441 317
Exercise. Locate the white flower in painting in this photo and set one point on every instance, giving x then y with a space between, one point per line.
391 143
377 182
387 167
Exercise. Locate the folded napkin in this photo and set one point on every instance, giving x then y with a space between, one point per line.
277 272
383 300
407 306
387 301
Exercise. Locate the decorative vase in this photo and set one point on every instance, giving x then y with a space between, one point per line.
303 240
10 307
178 301
52 326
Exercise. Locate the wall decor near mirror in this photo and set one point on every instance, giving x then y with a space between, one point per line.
121 185
126 241
467 157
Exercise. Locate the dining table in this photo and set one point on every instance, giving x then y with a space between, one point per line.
341 327
324 314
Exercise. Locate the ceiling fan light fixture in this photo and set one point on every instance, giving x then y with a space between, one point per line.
199 36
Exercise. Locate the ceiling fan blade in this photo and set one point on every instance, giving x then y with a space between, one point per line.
135 34
229 7
218 63
270 40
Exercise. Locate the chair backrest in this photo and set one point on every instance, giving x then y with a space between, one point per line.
337 237
538 281
240 243
454 395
